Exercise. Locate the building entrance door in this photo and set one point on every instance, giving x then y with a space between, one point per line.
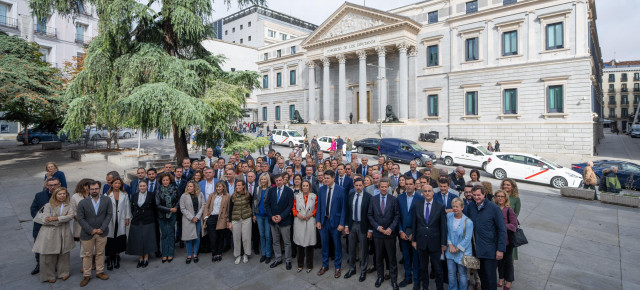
368 106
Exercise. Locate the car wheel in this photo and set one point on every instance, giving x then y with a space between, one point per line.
500 174
95 137
290 144
360 150
484 166
448 161
559 182
35 140
418 162
127 135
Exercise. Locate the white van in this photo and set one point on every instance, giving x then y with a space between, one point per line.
287 137
464 152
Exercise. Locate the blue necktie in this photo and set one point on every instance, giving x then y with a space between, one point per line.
278 200
355 208
426 213
382 205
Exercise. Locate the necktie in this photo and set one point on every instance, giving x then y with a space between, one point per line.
178 182
251 188
444 200
382 206
364 171
279 191
341 179
328 203
426 213
153 186
355 209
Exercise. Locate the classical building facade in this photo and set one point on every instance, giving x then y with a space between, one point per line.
526 73
622 84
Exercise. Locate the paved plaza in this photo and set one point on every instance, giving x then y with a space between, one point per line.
573 244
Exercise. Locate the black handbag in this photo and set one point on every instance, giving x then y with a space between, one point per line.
516 238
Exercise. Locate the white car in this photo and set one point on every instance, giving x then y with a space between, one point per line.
325 144
529 167
464 152
287 137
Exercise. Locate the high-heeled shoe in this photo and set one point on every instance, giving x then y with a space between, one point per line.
146 263
140 263
188 260
116 263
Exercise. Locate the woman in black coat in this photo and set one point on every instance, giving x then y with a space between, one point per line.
142 233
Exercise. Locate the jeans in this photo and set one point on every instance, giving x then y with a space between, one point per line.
167 235
194 245
348 156
454 282
265 235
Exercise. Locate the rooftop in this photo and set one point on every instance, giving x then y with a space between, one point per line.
615 63
272 14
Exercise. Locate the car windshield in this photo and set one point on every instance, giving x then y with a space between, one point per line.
416 147
484 150
550 163
294 134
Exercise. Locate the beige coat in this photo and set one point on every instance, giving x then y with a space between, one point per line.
189 230
223 217
590 176
122 213
55 237
75 199
304 232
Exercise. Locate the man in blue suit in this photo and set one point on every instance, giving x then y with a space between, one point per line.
330 219
278 208
187 171
384 216
413 172
141 173
208 185
344 180
445 194
406 201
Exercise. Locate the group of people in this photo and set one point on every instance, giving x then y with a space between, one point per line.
284 209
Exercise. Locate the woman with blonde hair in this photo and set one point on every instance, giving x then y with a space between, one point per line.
240 216
55 241
216 214
459 233
505 266
260 216
117 237
192 208
487 188
511 188
51 170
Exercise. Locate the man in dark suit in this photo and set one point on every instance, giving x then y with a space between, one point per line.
94 214
252 188
278 208
429 236
363 168
187 171
343 180
445 194
181 184
39 201
218 170
358 229
154 187
384 216
230 182
141 174
413 172
457 177
407 200
330 218
246 156
311 178
270 159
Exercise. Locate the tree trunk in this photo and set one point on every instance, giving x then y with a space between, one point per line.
180 143
115 140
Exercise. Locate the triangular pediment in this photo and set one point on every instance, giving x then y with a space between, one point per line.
352 19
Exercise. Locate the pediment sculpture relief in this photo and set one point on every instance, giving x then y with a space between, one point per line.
351 23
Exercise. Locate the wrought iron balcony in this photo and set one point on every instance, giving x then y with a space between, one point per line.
8 22
46 31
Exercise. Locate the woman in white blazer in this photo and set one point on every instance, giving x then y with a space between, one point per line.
119 224
192 207
304 224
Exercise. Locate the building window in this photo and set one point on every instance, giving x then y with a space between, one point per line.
41 25
623 78
507 2
432 55
266 56
636 99
293 49
4 129
510 101
555 102
555 38
612 113
624 113
277 113
241 27
249 38
45 54
636 87
80 30
433 17
624 100
472 6
624 88
636 77
272 33
279 53
233 30
249 24
292 77
612 100
264 113
241 40
278 80
612 78
4 12
265 81
471 49
292 109
510 43
226 32
432 105
471 104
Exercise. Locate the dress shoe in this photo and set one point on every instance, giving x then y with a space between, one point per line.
507 288
196 260
85 281
263 258
36 270
188 261
268 260
52 280
379 282
275 264
288 265
140 263
219 258
102 276
65 278
145 264
164 261
116 264
416 286
405 282
394 285
349 274
337 274
169 260
322 271
363 277
371 269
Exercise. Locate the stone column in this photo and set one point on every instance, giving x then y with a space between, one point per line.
413 99
382 81
362 102
311 66
326 94
342 89
404 85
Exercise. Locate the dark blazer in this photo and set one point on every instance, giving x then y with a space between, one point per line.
255 188
429 237
89 220
282 208
364 212
437 197
272 163
39 201
180 188
188 174
347 184
389 219
338 206
359 169
145 214
418 173
489 228
458 182
406 220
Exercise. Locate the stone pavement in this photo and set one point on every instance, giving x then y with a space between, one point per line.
573 244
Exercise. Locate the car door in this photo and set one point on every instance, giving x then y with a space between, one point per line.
322 142
469 157
285 138
516 166
538 170
629 175
373 146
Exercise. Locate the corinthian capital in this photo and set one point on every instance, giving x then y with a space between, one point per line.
381 50
325 61
403 47
341 58
311 63
362 54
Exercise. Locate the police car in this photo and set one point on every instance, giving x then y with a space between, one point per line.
529 167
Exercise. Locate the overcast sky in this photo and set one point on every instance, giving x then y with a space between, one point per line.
617 22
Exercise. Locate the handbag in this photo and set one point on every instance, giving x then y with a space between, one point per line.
470 262
517 238
39 218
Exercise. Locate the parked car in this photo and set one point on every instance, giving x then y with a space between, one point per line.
287 137
403 150
37 135
369 145
96 134
635 131
628 173
529 167
464 152
325 144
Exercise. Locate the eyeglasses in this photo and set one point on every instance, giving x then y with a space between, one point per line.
500 196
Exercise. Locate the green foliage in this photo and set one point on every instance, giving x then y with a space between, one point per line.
246 142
